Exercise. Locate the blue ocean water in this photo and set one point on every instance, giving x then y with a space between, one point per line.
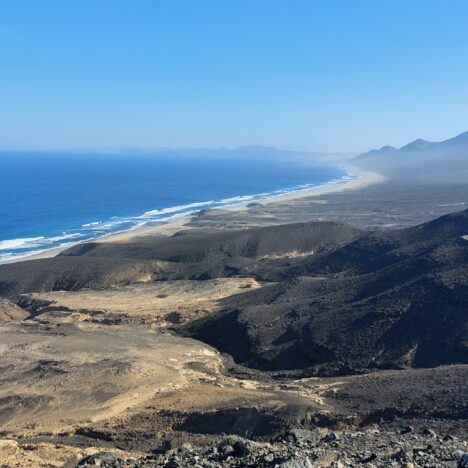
53 200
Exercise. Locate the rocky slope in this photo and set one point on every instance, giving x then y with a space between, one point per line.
306 449
387 300
191 254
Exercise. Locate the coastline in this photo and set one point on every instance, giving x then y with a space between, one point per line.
363 179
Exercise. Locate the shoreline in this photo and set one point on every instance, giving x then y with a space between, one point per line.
364 179
165 228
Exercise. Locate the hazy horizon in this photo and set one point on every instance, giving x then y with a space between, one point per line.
332 77
154 150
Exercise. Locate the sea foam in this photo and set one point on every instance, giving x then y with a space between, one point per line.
21 243
123 199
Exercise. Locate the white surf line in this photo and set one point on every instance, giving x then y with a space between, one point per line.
353 179
19 243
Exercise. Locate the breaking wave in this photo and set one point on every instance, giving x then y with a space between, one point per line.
13 249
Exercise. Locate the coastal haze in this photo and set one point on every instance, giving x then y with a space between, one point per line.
422 161
172 295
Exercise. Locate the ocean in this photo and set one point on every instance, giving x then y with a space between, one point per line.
50 200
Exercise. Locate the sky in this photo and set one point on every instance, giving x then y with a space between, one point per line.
318 75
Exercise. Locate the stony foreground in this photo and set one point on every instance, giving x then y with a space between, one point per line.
303 449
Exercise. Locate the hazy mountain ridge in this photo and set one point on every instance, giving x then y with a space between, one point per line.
421 160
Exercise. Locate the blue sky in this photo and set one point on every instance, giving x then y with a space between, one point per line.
330 75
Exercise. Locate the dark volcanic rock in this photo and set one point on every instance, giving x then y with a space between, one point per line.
193 254
374 449
463 462
214 245
402 301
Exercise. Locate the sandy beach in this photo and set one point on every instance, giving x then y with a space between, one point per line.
363 179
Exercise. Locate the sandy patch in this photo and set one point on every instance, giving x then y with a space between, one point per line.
291 254
10 311
55 377
159 303
43 455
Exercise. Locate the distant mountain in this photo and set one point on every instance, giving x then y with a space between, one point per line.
417 145
421 160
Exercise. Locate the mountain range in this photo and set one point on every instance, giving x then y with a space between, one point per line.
421 160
